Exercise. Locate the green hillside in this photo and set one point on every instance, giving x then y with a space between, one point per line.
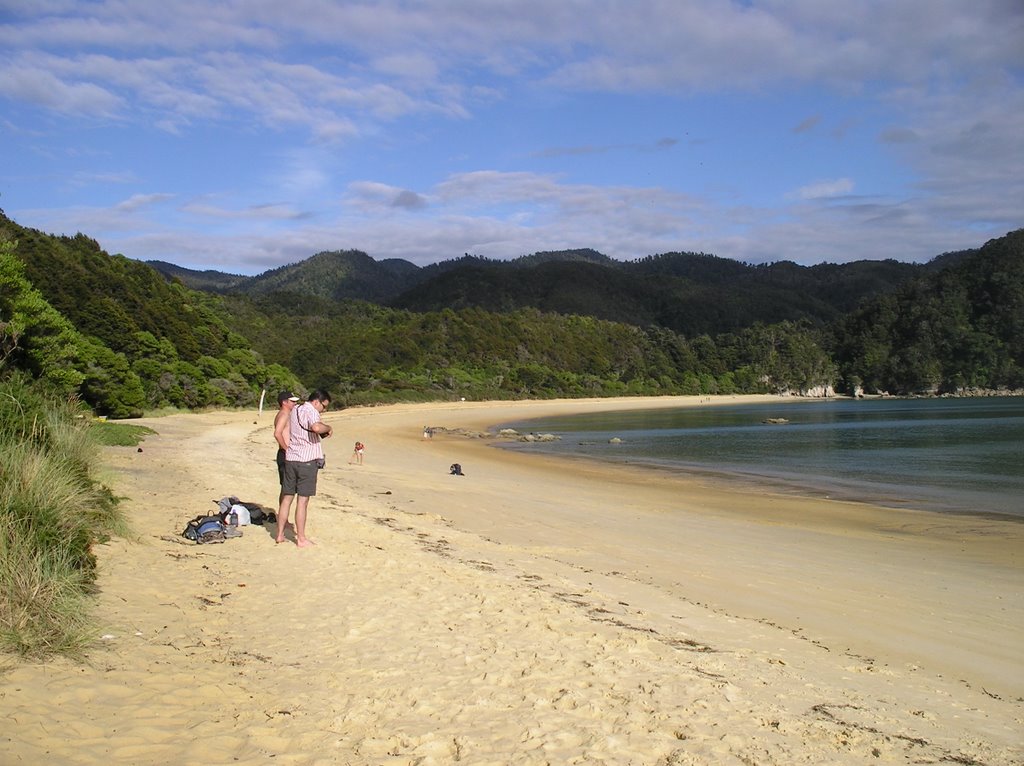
210 281
365 353
334 275
128 338
116 332
960 328
688 293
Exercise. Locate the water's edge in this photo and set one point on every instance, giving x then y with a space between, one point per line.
905 496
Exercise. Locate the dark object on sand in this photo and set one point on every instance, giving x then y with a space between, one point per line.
456 470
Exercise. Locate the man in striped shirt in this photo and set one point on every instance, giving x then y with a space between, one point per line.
302 460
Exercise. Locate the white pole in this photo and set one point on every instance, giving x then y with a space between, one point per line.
262 395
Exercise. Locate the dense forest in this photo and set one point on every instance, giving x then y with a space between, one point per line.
128 336
365 353
115 332
688 293
960 330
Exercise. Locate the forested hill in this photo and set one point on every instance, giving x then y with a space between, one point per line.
114 331
958 329
689 293
333 275
953 325
126 338
210 280
337 275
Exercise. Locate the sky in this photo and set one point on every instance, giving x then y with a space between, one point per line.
243 135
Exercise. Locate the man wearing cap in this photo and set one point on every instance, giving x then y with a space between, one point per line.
286 402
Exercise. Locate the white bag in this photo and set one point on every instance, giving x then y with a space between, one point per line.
242 514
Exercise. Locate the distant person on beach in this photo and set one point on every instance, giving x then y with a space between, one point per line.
428 433
286 402
303 459
357 454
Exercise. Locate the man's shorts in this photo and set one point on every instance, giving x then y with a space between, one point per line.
280 466
299 478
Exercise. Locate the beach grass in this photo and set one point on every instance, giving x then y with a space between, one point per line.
45 607
52 512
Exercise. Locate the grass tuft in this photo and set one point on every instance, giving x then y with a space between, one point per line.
119 434
52 511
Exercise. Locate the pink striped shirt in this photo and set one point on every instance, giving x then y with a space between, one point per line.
303 444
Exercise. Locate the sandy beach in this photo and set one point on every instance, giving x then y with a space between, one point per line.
534 611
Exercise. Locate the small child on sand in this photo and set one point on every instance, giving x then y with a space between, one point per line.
357 454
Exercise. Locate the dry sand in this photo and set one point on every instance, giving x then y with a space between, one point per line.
533 611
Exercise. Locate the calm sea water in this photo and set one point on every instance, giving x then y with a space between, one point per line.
961 455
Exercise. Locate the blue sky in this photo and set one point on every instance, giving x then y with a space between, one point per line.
242 135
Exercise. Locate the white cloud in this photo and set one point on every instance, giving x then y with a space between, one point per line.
943 77
139 201
263 212
176 53
824 189
81 179
408 66
41 87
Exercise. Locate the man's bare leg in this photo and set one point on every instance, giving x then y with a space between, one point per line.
301 504
282 516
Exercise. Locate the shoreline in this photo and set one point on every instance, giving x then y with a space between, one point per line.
892 496
725 516
528 612
963 540
753 482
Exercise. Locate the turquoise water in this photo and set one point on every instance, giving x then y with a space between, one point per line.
960 455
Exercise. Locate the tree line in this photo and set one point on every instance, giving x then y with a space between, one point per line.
127 339
115 333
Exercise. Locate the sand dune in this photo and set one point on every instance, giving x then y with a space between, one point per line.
533 611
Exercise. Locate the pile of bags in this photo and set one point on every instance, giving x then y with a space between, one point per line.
232 513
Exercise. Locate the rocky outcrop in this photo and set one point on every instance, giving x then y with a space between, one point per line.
986 392
823 391
507 434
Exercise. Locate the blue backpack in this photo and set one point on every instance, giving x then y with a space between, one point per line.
205 529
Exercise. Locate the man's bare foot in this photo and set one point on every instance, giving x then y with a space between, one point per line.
280 540
305 543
